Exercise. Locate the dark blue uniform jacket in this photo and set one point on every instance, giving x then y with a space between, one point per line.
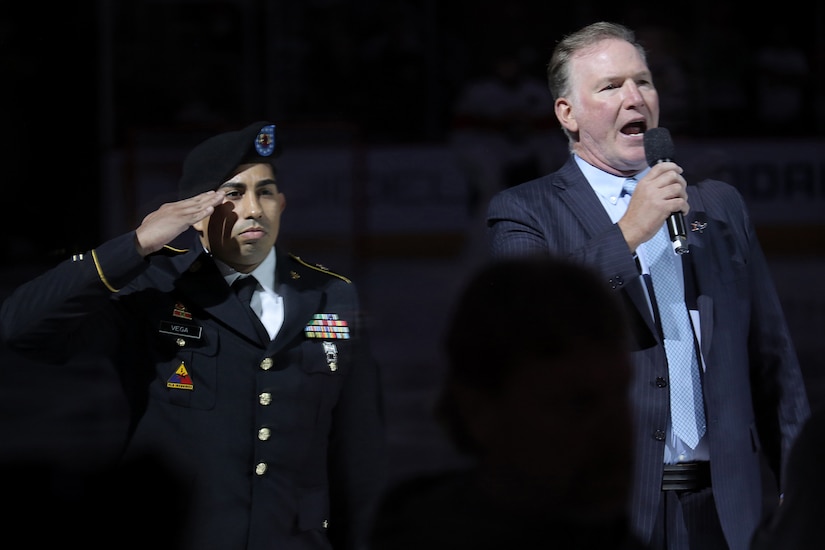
279 444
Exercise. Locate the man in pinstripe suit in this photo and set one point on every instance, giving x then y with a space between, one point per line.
704 495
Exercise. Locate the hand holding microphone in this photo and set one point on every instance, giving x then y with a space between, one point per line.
659 148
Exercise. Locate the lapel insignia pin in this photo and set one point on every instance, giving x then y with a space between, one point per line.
698 226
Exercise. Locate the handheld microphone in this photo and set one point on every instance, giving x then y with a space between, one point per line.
659 148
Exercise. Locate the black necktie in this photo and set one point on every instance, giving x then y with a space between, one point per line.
244 287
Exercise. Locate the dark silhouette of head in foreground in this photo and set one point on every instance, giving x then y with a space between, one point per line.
536 395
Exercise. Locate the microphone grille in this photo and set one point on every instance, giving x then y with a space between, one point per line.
658 145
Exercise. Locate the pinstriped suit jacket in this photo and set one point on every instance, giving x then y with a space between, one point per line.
755 398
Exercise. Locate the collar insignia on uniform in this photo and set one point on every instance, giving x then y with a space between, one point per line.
294 275
180 311
698 226
327 326
180 380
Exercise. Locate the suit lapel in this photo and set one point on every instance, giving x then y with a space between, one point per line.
700 271
581 199
585 205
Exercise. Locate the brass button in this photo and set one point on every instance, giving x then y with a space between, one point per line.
266 364
265 398
260 468
264 433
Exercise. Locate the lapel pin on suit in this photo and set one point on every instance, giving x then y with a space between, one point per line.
698 226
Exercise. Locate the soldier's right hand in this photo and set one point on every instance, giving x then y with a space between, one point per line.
173 218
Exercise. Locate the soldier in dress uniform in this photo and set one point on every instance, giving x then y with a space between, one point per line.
267 408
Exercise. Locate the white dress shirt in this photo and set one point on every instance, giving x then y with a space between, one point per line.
267 304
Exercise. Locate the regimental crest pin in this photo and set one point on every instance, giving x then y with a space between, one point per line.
180 311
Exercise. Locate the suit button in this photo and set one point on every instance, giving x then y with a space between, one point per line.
260 468
263 434
266 364
661 382
265 398
659 435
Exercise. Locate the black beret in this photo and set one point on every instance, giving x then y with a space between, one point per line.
209 164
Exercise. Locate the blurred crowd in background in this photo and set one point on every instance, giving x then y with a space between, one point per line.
395 68
92 76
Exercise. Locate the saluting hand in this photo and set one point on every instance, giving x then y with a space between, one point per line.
173 218
660 193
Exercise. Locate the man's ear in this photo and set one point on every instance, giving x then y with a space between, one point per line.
565 115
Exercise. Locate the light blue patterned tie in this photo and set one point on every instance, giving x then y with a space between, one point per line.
687 409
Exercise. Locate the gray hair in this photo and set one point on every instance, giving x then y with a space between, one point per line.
558 69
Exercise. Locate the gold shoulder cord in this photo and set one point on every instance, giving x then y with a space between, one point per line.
100 272
319 267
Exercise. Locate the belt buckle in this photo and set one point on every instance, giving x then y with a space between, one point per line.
686 476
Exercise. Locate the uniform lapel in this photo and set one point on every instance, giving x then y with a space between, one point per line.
300 301
203 284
